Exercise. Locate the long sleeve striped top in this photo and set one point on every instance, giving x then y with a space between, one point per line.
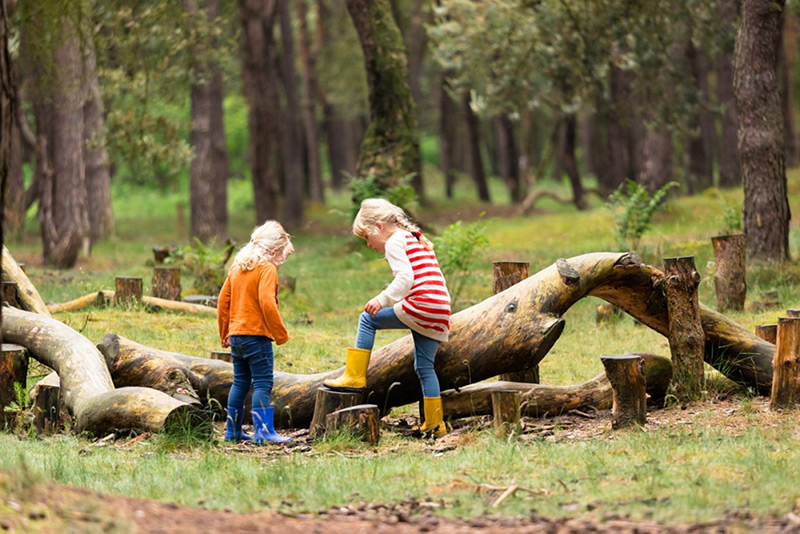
418 292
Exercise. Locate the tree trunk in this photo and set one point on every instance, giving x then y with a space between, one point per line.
15 206
258 19
570 162
786 364
730 269
390 148
511 331
617 124
730 172
474 136
699 173
785 65
86 386
447 136
508 155
308 58
7 117
220 168
291 144
27 295
766 206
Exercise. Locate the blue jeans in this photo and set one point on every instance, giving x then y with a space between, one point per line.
424 347
252 364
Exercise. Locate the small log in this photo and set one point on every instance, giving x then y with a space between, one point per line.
785 366
506 274
160 254
223 355
46 409
363 420
505 412
27 296
329 401
166 283
10 293
98 298
768 332
625 372
730 254
685 334
128 289
13 374
202 300
101 298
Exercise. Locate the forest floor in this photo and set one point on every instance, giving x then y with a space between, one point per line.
46 507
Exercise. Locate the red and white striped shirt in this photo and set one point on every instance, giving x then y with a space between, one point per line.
418 292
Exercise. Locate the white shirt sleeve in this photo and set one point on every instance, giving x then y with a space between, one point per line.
401 269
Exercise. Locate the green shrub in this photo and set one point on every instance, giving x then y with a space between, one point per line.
402 194
633 209
205 265
458 250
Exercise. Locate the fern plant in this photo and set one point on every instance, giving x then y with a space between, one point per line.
458 250
633 210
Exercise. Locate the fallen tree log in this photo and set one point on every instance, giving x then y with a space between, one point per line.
537 400
86 386
516 328
29 299
106 296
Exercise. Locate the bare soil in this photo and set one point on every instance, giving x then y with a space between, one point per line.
50 508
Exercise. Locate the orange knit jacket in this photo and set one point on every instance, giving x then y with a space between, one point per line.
248 305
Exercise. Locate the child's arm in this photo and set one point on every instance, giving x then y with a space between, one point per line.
224 311
403 274
268 299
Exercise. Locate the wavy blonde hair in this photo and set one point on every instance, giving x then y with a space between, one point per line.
375 210
268 243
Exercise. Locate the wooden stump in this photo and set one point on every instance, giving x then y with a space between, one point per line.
685 331
329 401
505 412
786 364
625 372
768 332
793 312
363 420
127 289
167 283
160 254
10 293
506 274
223 355
13 370
46 409
730 254
768 300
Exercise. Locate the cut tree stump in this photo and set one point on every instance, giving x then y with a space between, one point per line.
626 374
793 312
362 419
223 355
730 262
13 375
10 293
327 402
27 296
505 412
686 337
160 254
166 283
768 332
128 290
786 364
506 274
46 409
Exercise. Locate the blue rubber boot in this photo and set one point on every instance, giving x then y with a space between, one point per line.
265 429
233 426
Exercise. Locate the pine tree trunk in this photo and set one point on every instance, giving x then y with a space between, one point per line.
474 136
761 142
308 58
447 136
730 173
570 162
617 123
699 177
220 168
785 65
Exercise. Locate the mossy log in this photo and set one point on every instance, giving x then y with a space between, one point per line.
516 328
27 296
538 400
106 296
86 386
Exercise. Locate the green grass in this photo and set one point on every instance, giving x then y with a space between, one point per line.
671 472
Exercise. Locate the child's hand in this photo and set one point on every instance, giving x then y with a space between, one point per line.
373 307
225 344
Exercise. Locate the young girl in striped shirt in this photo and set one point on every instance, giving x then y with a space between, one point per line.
416 299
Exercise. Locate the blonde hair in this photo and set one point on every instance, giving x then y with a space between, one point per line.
268 243
375 210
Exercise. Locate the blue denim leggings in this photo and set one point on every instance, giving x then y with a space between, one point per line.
252 364
424 347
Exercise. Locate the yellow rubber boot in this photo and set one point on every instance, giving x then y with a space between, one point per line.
354 378
434 421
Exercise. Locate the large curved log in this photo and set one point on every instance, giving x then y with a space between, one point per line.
86 386
27 295
539 400
516 328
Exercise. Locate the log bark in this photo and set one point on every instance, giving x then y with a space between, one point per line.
511 330
167 283
127 290
685 330
506 274
505 411
538 400
730 253
223 355
27 295
46 409
629 404
326 402
768 332
87 389
786 364
363 420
